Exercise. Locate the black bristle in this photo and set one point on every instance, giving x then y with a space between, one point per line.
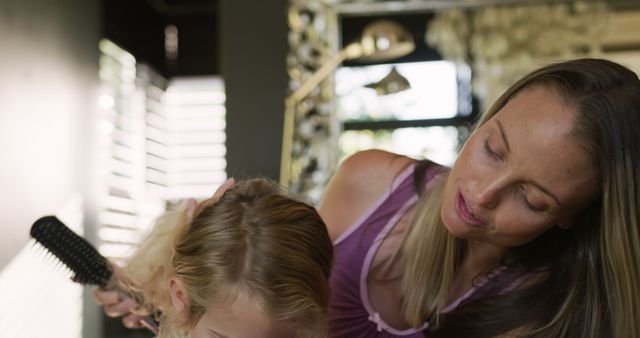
87 264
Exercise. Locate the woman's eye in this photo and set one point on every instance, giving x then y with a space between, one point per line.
490 150
528 204
531 206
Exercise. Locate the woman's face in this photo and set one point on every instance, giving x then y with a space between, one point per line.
519 174
242 318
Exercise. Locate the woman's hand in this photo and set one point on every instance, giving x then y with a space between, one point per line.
117 303
193 206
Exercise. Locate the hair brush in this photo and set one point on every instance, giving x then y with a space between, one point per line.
89 267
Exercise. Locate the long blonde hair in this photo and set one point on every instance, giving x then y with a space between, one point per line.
592 269
253 239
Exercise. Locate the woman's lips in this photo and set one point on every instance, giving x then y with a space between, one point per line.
465 213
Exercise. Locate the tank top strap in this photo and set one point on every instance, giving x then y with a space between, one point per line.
371 222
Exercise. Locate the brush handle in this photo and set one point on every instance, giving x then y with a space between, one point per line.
151 324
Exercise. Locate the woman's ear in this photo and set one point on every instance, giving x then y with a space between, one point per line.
179 297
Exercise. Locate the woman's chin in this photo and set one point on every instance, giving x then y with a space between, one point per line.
453 223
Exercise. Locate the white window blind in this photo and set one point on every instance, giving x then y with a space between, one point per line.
195 124
161 141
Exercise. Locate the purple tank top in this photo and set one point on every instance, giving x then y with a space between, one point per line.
350 313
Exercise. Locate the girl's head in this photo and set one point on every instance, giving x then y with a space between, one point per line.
253 263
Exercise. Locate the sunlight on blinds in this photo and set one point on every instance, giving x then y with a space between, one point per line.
122 153
196 134
162 141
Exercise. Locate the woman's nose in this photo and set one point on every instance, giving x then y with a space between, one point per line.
488 193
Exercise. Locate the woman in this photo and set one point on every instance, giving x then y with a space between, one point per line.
533 232
247 263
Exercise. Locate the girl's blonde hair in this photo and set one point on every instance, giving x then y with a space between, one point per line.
253 241
592 270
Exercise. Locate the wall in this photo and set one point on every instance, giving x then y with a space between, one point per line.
48 77
48 81
254 48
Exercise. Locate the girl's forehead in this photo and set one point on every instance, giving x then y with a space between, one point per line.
241 312
237 316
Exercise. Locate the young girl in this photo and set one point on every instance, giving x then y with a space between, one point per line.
252 263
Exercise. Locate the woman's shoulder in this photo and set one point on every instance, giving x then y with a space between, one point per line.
370 171
359 182
375 163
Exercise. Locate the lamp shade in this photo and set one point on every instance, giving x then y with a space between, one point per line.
393 83
384 40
